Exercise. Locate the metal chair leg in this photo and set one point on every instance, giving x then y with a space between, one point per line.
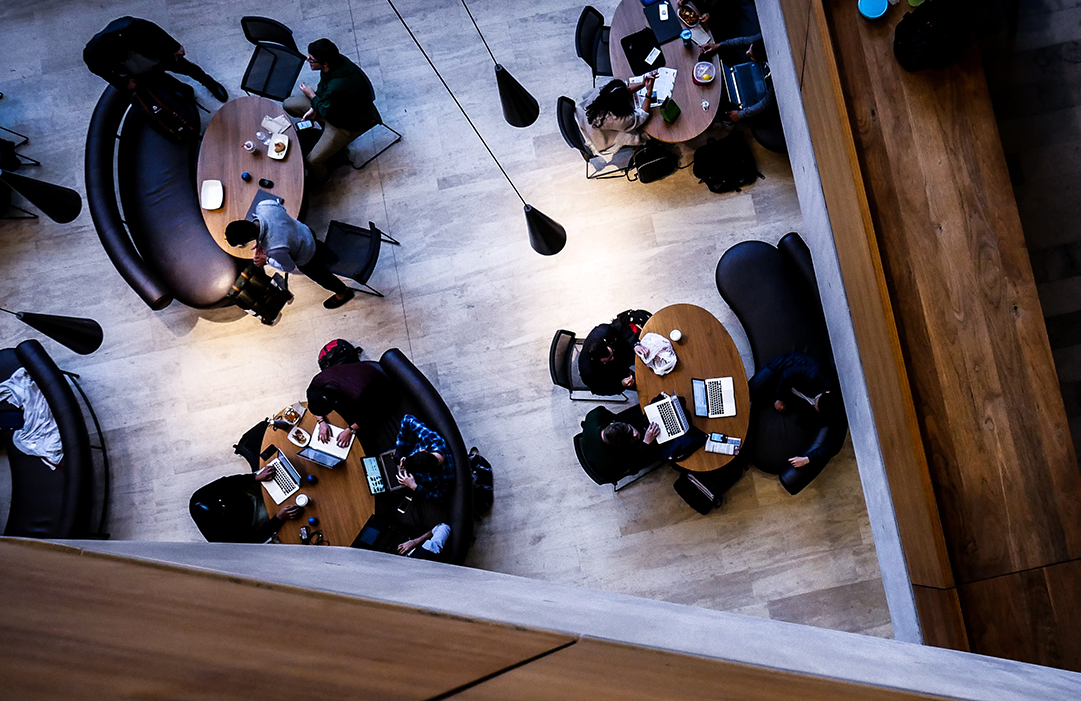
399 138
29 215
24 137
368 291
637 476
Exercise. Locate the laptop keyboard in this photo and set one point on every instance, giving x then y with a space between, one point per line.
669 418
285 480
715 397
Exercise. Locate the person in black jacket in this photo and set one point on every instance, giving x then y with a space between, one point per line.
131 51
796 382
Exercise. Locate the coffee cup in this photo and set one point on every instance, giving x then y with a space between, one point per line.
685 35
303 500
675 335
249 146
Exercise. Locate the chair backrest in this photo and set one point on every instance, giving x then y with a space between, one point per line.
228 510
585 35
560 357
351 251
260 30
568 127
593 474
251 443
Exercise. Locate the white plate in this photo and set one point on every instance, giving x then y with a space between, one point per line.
212 194
276 139
299 437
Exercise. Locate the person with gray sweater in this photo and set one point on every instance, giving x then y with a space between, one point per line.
287 244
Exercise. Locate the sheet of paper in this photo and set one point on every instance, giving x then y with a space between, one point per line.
662 85
276 125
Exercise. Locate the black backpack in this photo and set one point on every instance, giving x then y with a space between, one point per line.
338 352
934 35
703 491
169 107
652 162
726 165
260 295
483 494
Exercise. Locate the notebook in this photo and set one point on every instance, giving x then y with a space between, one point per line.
668 414
664 30
714 398
259 197
637 46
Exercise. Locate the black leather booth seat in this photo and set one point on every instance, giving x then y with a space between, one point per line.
775 297
169 252
412 393
49 503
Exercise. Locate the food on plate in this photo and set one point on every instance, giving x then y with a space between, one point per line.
704 71
298 435
279 146
291 415
688 15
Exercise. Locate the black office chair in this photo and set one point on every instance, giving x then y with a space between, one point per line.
9 159
591 42
378 121
572 134
613 478
230 510
352 252
251 443
276 63
563 366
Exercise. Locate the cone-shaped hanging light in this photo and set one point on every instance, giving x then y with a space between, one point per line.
83 336
520 109
60 204
546 235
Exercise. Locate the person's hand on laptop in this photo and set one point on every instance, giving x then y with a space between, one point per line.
345 436
324 431
264 474
289 512
651 433
405 478
408 545
798 462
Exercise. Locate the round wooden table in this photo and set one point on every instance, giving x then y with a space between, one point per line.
704 351
222 157
693 120
340 498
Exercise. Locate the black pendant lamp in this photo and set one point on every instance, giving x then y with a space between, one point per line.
60 204
520 109
546 235
83 336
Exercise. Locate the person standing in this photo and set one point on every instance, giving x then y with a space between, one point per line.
132 51
288 245
342 103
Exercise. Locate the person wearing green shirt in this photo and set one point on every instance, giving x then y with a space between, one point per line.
342 103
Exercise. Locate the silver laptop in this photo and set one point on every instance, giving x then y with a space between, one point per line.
715 398
668 414
286 480
328 454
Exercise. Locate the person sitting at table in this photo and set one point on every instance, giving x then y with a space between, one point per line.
425 464
342 103
231 510
132 51
288 245
625 443
795 382
428 546
756 51
606 363
612 115
350 389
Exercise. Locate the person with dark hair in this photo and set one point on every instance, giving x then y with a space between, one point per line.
350 389
796 382
425 464
623 443
606 364
342 103
132 51
612 115
287 244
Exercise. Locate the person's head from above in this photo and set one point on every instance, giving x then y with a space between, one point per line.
320 402
323 55
421 462
241 232
827 404
620 435
614 99
599 351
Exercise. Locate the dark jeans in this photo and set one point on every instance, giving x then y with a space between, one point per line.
317 271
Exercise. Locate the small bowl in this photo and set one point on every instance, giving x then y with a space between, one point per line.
873 9
691 19
704 72
299 437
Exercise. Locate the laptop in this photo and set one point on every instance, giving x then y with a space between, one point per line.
286 480
259 197
714 398
637 47
379 535
382 473
328 454
668 414
745 83
664 29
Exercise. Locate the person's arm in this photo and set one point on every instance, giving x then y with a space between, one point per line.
437 486
757 108
280 259
150 40
408 545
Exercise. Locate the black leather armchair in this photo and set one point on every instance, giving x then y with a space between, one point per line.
48 503
775 297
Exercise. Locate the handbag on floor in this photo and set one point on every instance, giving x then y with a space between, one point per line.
703 491
652 162
726 165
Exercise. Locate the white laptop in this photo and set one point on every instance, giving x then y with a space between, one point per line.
714 398
668 414
286 481
328 454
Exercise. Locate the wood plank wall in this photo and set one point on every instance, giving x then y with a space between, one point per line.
914 161
84 626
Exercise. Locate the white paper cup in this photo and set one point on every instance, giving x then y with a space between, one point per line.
303 500
675 335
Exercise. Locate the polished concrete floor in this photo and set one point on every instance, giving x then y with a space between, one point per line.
467 300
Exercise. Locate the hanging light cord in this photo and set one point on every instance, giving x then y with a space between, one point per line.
9 311
453 97
479 32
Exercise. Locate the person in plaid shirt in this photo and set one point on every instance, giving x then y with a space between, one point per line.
425 464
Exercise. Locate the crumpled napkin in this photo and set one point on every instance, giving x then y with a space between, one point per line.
657 353
276 125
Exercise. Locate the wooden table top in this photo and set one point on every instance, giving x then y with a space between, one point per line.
340 499
222 157
693 120
705 351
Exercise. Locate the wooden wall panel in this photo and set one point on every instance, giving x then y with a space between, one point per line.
1032 616
98 627
1002 461
872 314
594 669
940 618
